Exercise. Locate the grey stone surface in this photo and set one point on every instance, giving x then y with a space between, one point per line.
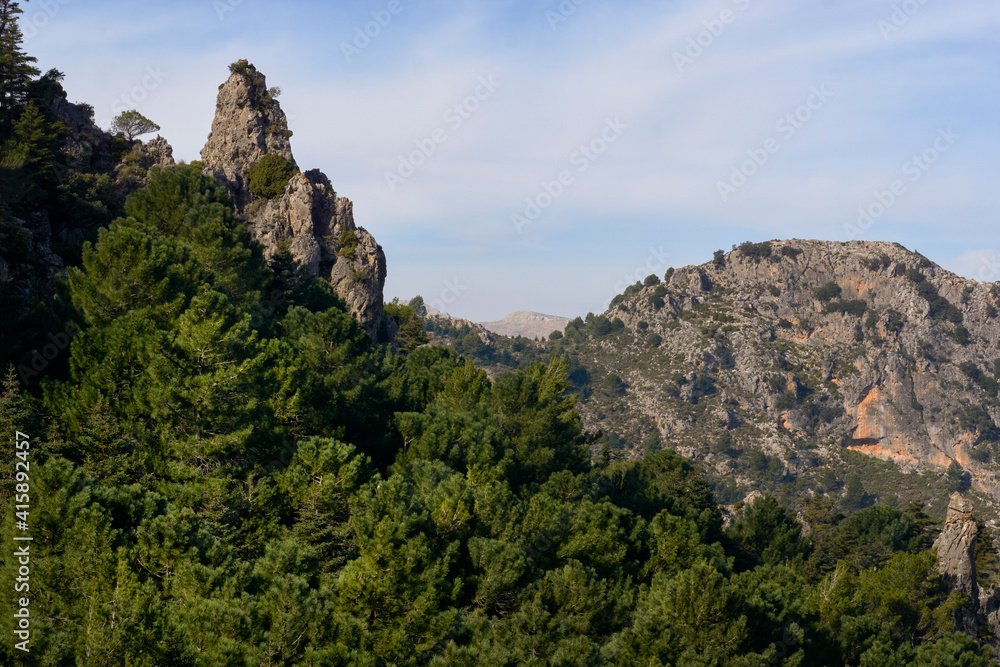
308 216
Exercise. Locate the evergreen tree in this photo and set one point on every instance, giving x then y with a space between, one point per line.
16 69
132 124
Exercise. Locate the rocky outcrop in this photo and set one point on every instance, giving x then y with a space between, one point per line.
248 125
133 170
309 218
956 551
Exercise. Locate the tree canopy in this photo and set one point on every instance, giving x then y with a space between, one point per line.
132 124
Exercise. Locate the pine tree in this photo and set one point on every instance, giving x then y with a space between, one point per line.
133 124
40 139
16 69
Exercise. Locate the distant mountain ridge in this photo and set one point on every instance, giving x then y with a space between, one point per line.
526 323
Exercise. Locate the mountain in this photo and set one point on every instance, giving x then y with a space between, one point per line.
863 346
792 366
249 153
526 323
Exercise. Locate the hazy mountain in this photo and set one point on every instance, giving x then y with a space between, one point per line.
527 323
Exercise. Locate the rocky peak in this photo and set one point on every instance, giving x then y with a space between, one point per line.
308 217
956 548
248 125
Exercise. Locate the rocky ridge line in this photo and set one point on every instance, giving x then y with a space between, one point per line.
898 362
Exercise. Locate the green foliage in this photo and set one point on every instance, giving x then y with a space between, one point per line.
269 177
410 333
960 334
827 292
957 478
348 242
719 259
939 308
789 251
16 67
132 124
879 262
988 384
855 497
240 67
973 418
764 533
755 251
908 595
894 321
613 384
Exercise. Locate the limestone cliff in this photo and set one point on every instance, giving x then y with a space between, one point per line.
317 225
805 349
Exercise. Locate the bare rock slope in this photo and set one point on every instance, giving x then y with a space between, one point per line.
317 225
526 323
865 346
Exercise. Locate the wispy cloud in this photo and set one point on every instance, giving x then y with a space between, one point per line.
686 128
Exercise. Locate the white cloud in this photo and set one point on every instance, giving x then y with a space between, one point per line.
982 265
685 132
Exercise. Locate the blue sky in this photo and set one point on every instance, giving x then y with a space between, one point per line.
676 127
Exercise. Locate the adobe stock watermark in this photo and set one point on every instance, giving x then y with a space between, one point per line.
452 291
154 77
704 39
581 158
989 269
912 170
454 117
790 638
656 263
363 35
41 359
47 10
787 126
223 7
565 9
900 16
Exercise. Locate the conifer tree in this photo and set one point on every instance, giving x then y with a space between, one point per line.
132 124
16 68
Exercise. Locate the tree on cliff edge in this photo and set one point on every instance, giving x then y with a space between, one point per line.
133 124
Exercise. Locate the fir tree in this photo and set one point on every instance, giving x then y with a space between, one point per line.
16 69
